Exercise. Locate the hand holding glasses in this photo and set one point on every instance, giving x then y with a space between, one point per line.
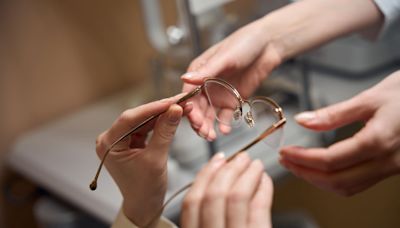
227 108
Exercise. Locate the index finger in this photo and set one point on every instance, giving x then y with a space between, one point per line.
338 156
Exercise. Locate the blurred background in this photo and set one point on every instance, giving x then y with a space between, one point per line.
65 62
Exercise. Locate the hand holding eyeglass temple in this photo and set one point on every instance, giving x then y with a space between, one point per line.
226 107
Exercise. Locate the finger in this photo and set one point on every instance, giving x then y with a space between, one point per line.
213 209
187 108
257 71
260 206
338 115
361 147
196 71
164 129
241 194
198 115
132 117
210 119
225 117
345 182
190 217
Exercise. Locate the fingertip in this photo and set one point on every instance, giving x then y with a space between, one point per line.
187 108
193 77
225 129
211 135
174 114
290 150
305 117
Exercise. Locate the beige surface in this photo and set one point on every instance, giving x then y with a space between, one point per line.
56 56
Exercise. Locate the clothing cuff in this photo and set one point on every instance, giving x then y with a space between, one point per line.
123 222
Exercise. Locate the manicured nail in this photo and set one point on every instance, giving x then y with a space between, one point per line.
218 159
305 117
201 134
190 75
218 156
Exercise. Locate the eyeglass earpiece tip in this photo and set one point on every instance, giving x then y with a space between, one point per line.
93 185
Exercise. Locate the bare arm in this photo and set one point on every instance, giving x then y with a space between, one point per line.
247 56
310 23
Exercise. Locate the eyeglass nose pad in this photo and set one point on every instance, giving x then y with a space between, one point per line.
249 119
237 114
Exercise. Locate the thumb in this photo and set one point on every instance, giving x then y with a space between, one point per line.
165 127
337 115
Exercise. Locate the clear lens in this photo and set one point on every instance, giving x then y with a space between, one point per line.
224 103
265 116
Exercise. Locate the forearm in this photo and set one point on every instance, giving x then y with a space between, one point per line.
307 24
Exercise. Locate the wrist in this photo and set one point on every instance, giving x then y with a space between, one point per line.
142 213
304 25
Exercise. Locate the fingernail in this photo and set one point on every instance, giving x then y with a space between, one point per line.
201 134
189 104
218 156
173 117
218 159
190 75
242 157
305 116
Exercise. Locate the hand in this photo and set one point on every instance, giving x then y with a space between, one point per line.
243 59
138 167
234 194
247 56
354 164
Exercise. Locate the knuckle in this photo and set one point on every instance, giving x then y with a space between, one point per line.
237 196
214 194
377 138
124 117
191 201
196 64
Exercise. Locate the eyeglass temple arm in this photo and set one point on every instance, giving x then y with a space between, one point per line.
93 184
267 132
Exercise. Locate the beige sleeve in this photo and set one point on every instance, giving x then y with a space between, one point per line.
123 222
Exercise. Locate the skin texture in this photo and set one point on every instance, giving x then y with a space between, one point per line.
238 193
234 194
246 57
354 164
139 167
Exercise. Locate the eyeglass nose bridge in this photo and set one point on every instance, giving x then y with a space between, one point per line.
248 117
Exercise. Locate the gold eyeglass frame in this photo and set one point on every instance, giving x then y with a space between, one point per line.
277 109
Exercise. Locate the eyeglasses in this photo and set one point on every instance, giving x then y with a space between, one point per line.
221 103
